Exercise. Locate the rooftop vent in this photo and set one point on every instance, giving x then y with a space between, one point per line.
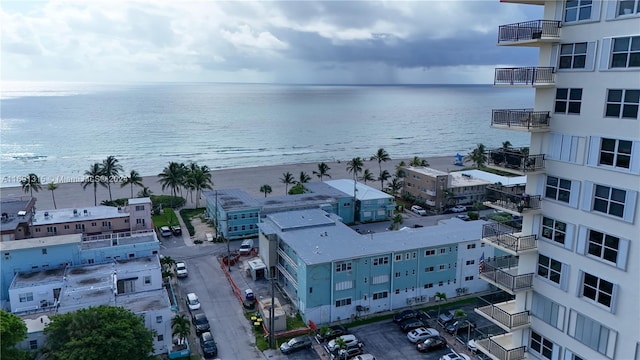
46 214
22 213
75 212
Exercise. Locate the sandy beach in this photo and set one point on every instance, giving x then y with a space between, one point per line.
71 195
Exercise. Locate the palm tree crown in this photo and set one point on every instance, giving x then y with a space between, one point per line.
381 156
303 178
31 183
266 189
384 176
52 187
417 162
478 156
323 170
111 169
367 175
172 177
134 178
93 176
287 179
199 178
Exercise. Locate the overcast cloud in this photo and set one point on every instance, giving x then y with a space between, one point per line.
245 41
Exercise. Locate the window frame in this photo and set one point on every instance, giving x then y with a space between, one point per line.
572 56
572 99
579 6
546 270
553 230
626 101
629 52
541 344
611 201
557 189
613 150
598 293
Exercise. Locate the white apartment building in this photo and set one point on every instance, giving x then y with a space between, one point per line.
575 270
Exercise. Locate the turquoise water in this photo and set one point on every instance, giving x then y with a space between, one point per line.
58 130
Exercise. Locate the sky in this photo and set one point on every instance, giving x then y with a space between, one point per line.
330 42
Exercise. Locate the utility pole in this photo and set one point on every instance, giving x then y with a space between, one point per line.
219 235
272 312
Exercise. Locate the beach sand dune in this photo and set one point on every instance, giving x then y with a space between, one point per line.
71 195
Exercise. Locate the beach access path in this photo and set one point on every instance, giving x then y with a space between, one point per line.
71 195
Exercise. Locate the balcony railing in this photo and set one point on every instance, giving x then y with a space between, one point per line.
495 350
499 197
514 159
525 76
505 237
529 30
520 119
288 259
503 273
507 319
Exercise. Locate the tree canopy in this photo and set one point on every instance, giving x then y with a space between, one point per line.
103 332
12 331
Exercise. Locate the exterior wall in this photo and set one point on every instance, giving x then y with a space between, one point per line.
376 210
345 210
140 216
571 149
33 297
88 227
159 321
240 223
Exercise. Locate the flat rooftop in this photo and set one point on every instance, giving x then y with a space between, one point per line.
427 171
493 178
140 302
60 216
138 201
40 242
10 208
37 278
231 199
461 179
363 192
330 240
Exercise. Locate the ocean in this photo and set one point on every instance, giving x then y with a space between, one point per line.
58 130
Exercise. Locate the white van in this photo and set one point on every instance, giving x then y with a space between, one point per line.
246 247
193 303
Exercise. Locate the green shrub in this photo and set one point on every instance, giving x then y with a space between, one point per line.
187 215
167 201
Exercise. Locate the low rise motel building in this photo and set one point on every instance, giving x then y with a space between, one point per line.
333 273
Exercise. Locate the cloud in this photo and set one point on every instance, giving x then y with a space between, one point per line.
299 41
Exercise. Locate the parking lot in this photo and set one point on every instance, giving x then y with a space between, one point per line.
385 340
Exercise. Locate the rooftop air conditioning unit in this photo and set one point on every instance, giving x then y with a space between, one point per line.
86 212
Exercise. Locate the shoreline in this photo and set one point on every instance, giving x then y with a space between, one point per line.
249 179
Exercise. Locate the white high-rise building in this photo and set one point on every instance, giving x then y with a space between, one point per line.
575 264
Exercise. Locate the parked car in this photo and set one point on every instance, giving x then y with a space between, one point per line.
365 357
295 344
420 334
404 315
348 339
459 208
165 231
432 343
200 321
471 346
246 247
208 345
176 230
331 333
193 303
411 324
454 356
445 318
181 269
463 217
349 352
419 210
460 326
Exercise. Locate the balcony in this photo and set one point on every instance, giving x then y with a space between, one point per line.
287 259
505 315
515 160
503 273
508 239
537 77
529 33
520 120
500 348
504 198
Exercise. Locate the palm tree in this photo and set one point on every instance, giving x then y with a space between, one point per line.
323 170
394 186
397 221
266 189
354 166
94 176
384 176
367 176
441 297
110 169
340 343
134 178
304 178
400 173
52 187
506 145
199 178
31 183
478 156
145 192
172 177
287 179
181 327
167 262
381 156
417 162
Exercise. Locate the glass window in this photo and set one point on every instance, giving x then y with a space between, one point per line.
622 103
549 268
598 290
573 56
603 245
626 52
541 345
568 101
558 189
554 230
609 200
616 153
